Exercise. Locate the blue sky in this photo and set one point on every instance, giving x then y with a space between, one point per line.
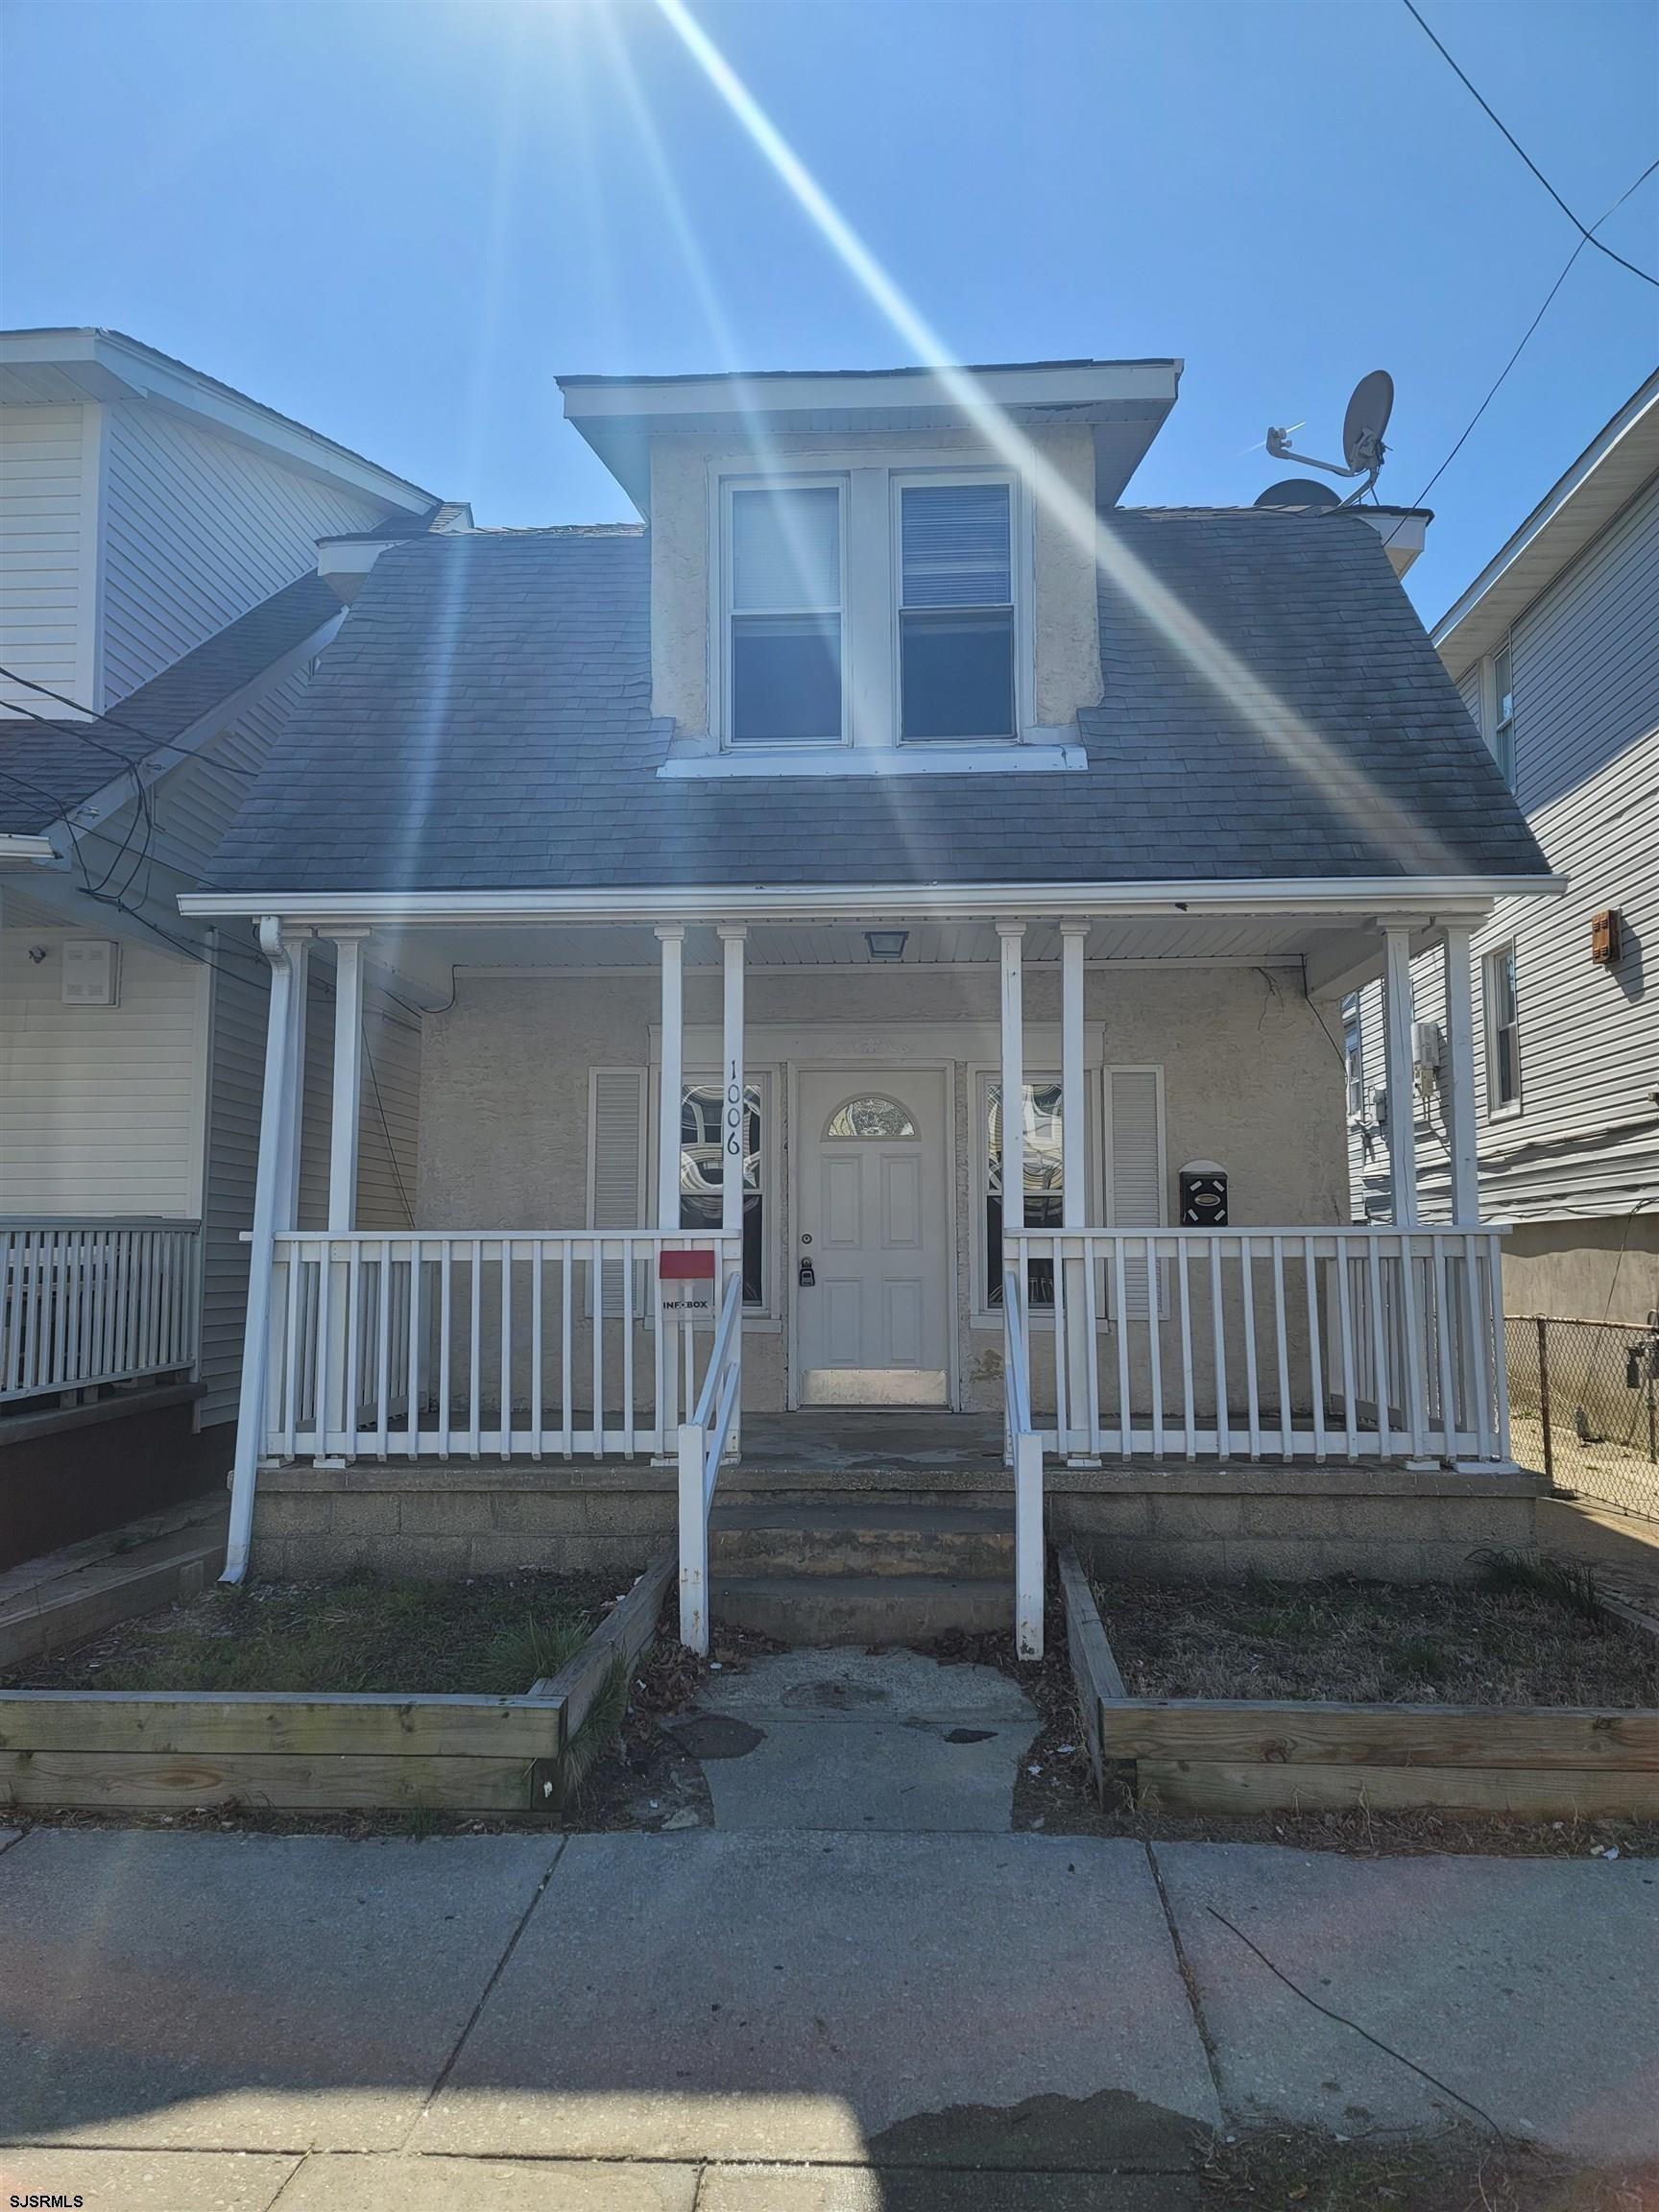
398 220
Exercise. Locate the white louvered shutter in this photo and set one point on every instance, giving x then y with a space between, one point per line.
1136 1197
617 1143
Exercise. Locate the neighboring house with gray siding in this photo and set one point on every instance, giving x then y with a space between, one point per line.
162 607
1554 650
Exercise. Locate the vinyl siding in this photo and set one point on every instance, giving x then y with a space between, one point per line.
197 530
47 528
99 1105
1586 1141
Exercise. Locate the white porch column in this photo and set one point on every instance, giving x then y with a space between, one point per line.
1401 1098
670 1088
733 1115
1079 1348
1012 935
347 1080
276 1149
293 1117
1460 1085
731 1111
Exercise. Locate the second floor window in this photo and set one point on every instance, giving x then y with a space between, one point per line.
784 616
955 610
1503 714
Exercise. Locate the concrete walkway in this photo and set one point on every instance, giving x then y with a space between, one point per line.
781 2022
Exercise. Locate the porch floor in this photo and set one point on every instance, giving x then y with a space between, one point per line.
847 1440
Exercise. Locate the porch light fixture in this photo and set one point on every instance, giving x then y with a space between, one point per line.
886 944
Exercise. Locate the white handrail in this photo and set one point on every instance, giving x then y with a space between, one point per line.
702 1446
1025 1457
1379 1341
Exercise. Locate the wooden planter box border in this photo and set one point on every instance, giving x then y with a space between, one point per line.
297 1752
1226 1755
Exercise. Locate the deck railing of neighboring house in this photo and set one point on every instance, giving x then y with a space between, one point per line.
503 1342
702 1443
1277 1343
85 1301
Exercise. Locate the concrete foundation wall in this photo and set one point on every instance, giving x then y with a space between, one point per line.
1584 1270
1251 1079
319 1524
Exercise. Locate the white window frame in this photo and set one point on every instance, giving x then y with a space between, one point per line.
981 1075
721 564
867 481
768 1080
1019 572
1509 950
1353 1059
1495 731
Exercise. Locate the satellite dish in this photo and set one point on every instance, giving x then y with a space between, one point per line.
1297 491
1367 420
1363 450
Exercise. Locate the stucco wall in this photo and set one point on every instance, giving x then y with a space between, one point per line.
1066 638
1250 1079
1597 1270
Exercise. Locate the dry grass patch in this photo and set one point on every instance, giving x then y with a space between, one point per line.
491 1636
1527 1633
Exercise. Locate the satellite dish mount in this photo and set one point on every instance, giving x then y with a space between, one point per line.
1363 450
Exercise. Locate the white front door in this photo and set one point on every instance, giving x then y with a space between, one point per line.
871 1251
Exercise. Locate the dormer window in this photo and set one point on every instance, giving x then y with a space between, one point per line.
783 616
955 610
872 609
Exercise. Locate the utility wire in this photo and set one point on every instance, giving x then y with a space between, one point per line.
1526 336
1586 233
146 738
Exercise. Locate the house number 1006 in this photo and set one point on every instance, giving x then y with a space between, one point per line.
734 1112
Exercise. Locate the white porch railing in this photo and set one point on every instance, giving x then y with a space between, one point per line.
1368 1343
493 1342
1024 1448
85 1301
703 1441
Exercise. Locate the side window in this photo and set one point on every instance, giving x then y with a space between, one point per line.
701 1170
783 641
1353 1057
955 610
1502 737
1502 1007
1043 1186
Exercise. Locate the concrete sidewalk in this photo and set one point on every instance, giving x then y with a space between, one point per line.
785 2022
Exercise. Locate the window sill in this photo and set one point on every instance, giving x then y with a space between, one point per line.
983 760
1510 1112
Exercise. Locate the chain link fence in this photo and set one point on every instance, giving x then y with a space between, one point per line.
1584 1407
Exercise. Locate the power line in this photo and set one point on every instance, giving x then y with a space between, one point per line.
1526 336
1587 236
145 737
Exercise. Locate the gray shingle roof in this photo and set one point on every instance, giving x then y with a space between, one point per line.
484 722
50 766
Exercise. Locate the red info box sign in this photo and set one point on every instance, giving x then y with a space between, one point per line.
687 1280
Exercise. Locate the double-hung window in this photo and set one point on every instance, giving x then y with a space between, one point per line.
955 610
702 1173
1504 713
1353 1056
1502 1007
784 631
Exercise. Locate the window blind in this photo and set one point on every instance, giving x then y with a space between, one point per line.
955 545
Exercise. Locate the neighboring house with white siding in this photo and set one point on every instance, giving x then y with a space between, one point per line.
745 866
1554 650
161 605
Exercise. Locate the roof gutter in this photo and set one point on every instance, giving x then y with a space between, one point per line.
1428 895
19 847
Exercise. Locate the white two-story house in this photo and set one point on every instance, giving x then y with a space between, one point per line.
744 864
161 606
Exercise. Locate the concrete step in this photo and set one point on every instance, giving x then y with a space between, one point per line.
820 1609
814 1536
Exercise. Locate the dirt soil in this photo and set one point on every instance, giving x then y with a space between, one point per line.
1459 2171
1374 1643
491 1636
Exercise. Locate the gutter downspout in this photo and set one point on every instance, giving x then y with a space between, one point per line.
256 1332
